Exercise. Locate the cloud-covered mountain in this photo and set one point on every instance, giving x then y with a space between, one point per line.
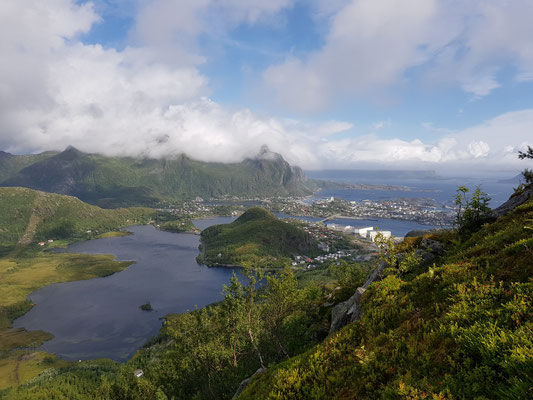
121 181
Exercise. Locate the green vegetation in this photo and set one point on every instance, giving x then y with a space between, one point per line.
455 327
471 211
112 182
460 328
256 236
179 225
28 217
22 366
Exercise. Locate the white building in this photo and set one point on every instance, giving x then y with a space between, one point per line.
363 232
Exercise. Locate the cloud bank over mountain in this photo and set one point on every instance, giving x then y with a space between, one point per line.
151 98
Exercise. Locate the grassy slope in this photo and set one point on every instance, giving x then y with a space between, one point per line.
28 216
11 164
257 234
460 329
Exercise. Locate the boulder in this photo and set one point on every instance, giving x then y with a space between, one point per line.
347 311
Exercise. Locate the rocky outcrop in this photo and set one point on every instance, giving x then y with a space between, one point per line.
351 309
514 201
246 382
347 311
429 250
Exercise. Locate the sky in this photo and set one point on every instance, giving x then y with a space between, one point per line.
445 85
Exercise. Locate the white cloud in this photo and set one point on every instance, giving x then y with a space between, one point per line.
373 44
56 91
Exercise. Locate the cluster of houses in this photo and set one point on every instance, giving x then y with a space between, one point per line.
369 233
310 263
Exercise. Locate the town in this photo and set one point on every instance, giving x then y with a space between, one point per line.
421 210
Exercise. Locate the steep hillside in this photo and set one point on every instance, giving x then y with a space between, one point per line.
28 216
123 181
11 164
460 328
255 235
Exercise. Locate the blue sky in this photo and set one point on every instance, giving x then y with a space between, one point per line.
434 84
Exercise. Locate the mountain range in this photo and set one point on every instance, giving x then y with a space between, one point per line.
126 181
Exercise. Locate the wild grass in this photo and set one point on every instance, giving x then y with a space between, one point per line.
22 366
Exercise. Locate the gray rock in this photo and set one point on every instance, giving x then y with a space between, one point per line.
425 255
351 309
513 202
347 311
246 382
432 246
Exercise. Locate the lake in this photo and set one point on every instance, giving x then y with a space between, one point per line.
101 317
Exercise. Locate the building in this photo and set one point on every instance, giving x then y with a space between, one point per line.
323 246
363 232
138 373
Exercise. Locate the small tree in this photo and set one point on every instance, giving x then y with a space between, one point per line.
526 173
471 211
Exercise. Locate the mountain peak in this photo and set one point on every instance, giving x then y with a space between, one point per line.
266 154
71 149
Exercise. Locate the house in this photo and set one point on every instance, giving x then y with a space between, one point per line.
138 373
41 243
323 246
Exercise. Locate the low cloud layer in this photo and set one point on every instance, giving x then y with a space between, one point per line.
56 91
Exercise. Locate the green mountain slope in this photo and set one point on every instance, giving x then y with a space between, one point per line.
28 216
124 181
257 234
11 164
458 329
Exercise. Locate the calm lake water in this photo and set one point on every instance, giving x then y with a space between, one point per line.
101 317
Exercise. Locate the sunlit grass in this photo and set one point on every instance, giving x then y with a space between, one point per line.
21 366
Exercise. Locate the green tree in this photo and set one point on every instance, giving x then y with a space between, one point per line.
526 173
233 310
251 309
471 210
282 299
348 274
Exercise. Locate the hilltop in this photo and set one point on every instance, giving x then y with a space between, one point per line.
28 216
257 234
125 181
